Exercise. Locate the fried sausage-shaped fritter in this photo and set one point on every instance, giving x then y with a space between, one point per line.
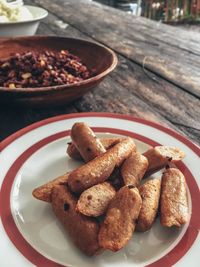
150 193
84 139
134 168
159 156
95 200
82 230
43 192
73 152
119 223
99 169
115 179
174 203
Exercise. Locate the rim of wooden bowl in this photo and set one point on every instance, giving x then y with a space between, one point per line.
64 86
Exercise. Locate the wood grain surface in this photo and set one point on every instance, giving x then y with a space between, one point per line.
165 50
157 77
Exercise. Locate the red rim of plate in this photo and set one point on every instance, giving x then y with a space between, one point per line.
35 257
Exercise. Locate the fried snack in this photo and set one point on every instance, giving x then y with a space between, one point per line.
44 191
150 193
159 156
119 223
99 169
73 152
174 208
84 139
134 168
82 230
94 201
115 179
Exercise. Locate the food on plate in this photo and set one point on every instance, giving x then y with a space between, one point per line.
73 152
103 202
120 219
13 12
32 69
82 229
150 194
174 208
92 173
115 179
44 191
110 142
86 142
134 168
159 156
95 200
99 169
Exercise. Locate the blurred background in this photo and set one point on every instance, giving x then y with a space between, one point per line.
176 12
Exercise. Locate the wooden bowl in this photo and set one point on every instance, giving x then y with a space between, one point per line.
95 56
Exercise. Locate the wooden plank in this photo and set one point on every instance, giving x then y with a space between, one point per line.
15 118
127 90
131 90
156 90
165 50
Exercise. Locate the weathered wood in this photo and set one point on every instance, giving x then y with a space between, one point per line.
130 81
169 52
15 118
129 89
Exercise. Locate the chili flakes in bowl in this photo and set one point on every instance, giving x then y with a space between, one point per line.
42 69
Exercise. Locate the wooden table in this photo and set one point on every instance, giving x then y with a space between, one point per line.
157 78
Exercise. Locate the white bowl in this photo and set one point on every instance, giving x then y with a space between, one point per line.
25 28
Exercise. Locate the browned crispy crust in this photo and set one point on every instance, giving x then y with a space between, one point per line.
119 223
150 193
174 204
159 156
107 143
110 142
43 192
99 169
134 168
115 179
73 152
86 142
82 230
95 200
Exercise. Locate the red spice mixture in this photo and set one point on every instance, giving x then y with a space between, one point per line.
42 69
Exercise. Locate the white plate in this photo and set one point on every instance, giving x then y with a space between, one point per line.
30 233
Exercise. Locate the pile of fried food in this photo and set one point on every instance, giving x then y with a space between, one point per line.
32 69
102 202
